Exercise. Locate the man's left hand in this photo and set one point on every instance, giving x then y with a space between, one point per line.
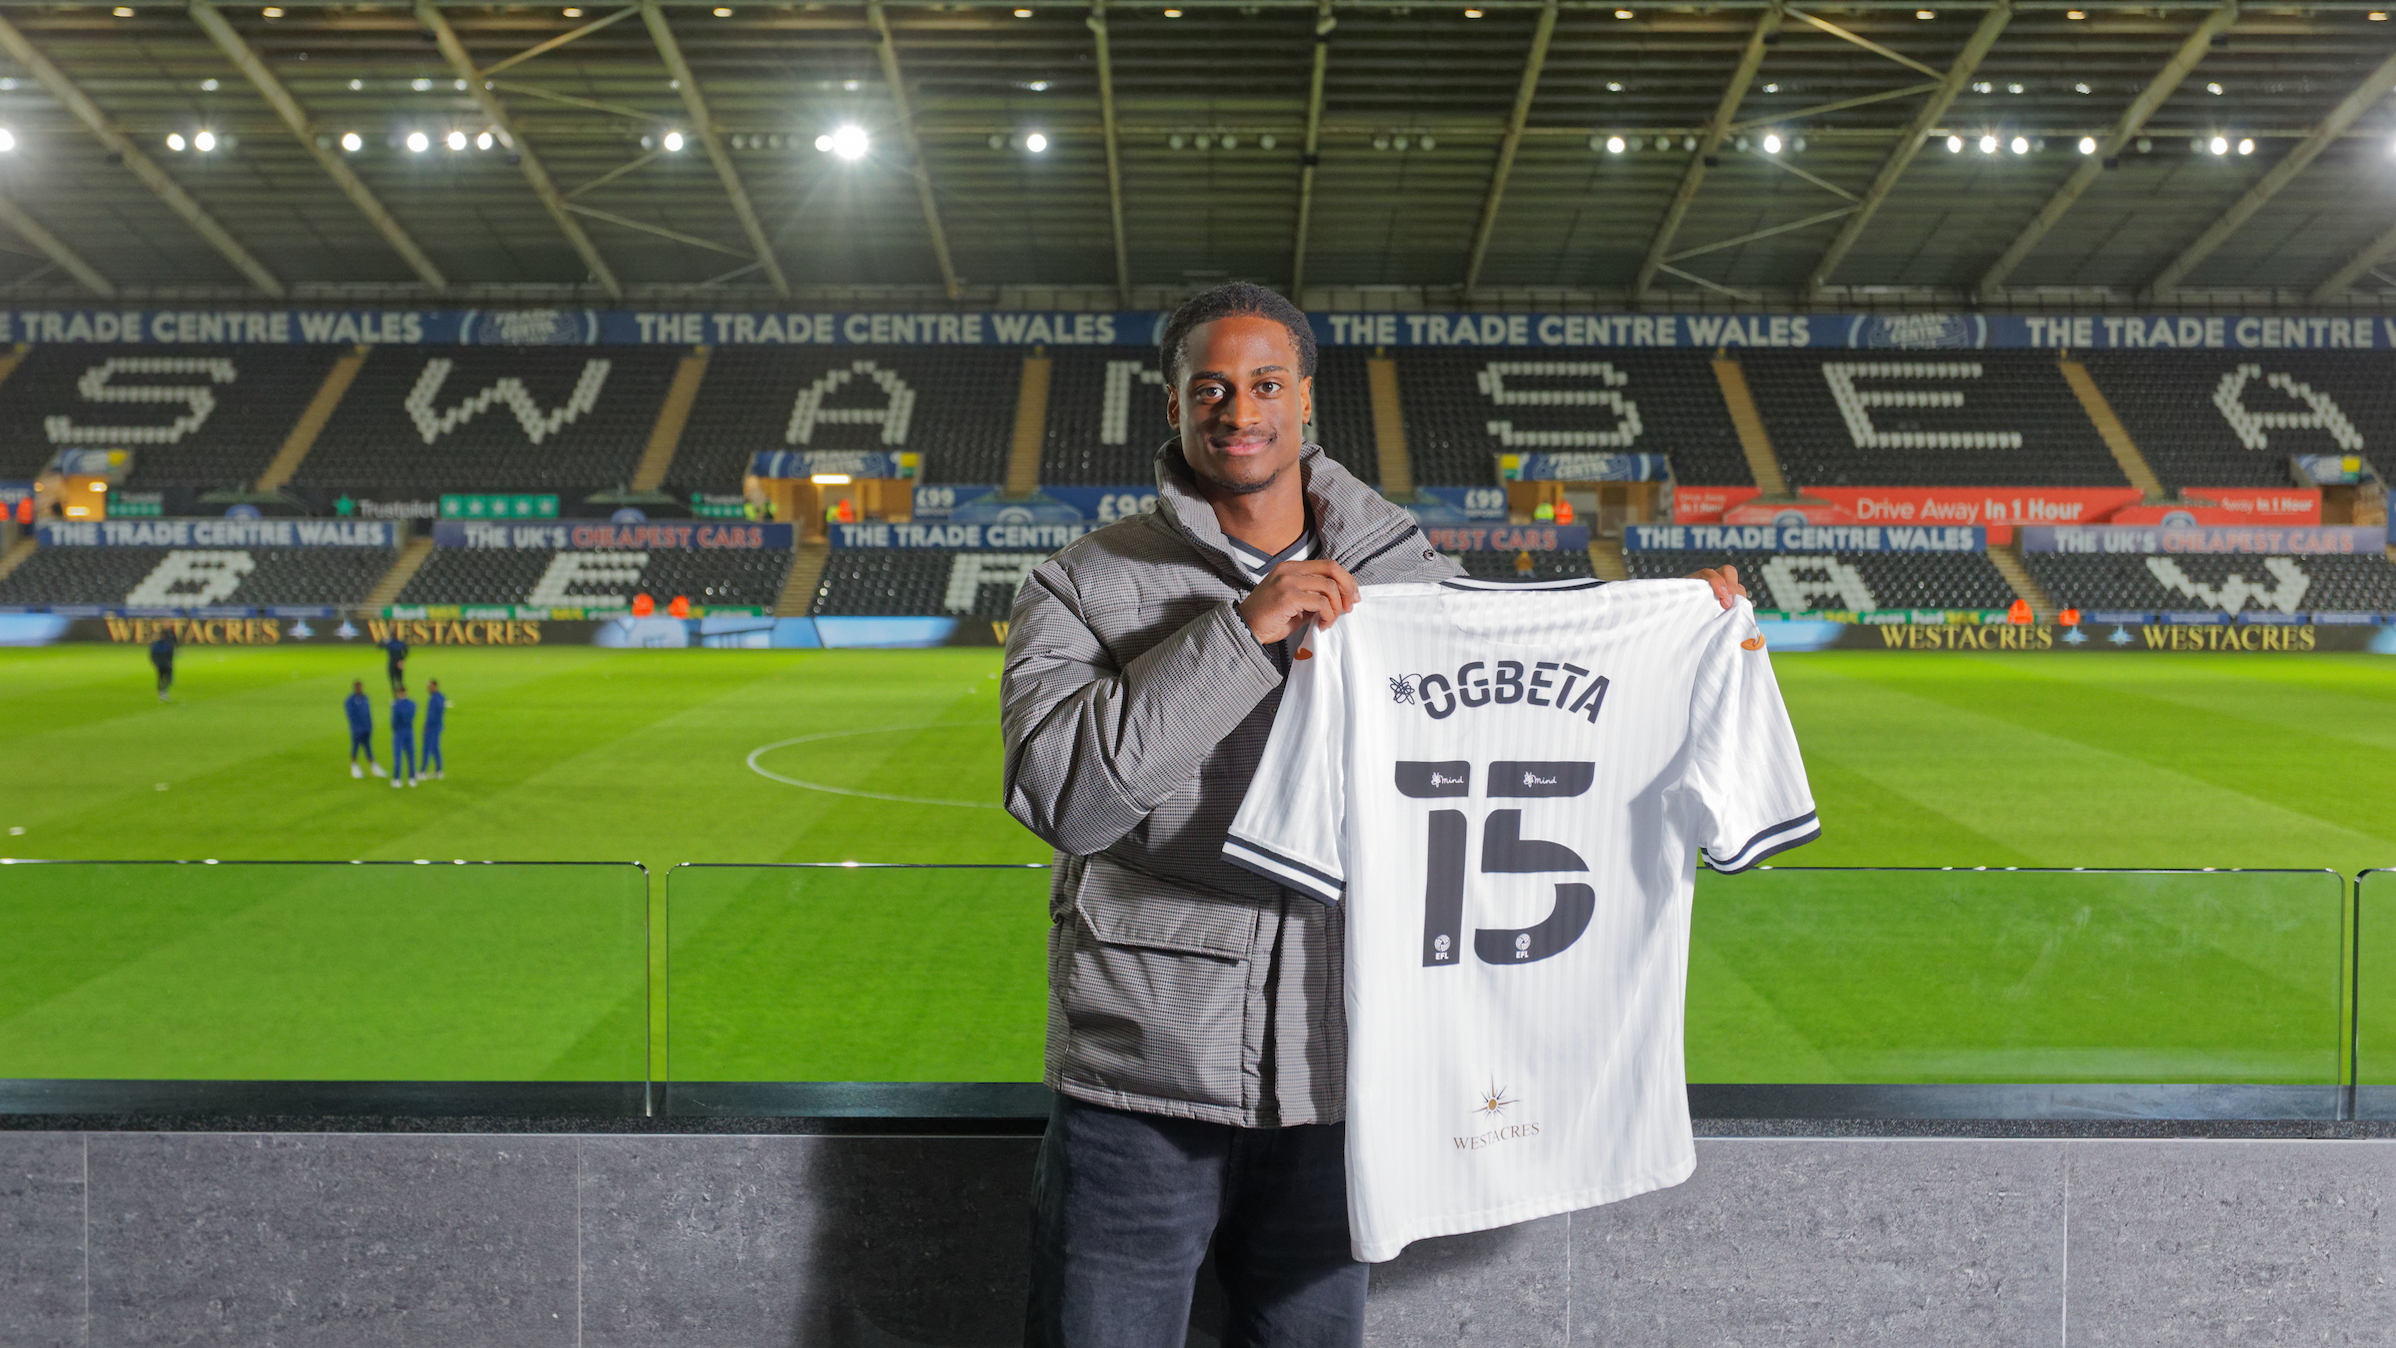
1725 582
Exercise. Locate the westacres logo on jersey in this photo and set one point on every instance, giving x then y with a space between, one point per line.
1554 684
1492 1105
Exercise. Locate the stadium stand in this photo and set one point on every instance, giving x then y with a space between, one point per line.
1564 400
425 420
921 582
203 417
553 579
1509 565
1106 415
1846 580
2232 419
196 577
2230 584
958 410
1964 419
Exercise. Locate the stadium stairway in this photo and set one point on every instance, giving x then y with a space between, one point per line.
16 555
806 571
312 420
1031 421
2116 436
1389 430
657 457
2007 558
411 560
1606 561
1750 424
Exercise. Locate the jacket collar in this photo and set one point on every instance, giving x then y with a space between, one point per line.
1350 519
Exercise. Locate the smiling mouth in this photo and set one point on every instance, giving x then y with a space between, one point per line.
1242 446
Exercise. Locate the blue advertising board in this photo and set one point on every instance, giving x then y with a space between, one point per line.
606 535
1691 331
1805 538
214 532
2362 540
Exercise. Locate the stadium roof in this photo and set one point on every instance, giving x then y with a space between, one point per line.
1732 155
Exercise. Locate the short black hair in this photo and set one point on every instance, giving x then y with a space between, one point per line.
1234 300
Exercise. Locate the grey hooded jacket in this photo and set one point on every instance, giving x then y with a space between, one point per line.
1135 708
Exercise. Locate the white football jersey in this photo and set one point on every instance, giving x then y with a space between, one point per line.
1508 785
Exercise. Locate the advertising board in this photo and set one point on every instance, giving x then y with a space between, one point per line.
2328 540
211 532
1804 538
603 535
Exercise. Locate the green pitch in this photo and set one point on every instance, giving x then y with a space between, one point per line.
671 756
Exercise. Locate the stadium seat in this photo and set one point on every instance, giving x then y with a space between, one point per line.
1650 402
1106 415
424 420
516 576
199 578
2232 419
960 415
1929 418
2132 583
902 582
1508 565
1846 580
201 417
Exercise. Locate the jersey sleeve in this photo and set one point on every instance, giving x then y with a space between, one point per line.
1747 775
1288 827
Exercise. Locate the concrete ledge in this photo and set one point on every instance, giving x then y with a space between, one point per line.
708 1238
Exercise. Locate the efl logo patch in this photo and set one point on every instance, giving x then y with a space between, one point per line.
1752 644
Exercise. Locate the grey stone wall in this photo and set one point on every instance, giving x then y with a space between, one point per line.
330 1240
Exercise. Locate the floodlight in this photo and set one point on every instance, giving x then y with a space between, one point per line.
1771 143
2246 147
455 140
203 141
673 142
829 479
849 142
2020 145
1615 145
1954 145
352 141
421 86
1925 13
174 141
1988 145
1036 143
208 86
2218 145
483 141
2213 89
418 142
2088 145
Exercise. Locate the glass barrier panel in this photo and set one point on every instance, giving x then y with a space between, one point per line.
2375 993
324 971
802 973
1803 975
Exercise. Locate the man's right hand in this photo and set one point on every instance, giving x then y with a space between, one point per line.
1295 594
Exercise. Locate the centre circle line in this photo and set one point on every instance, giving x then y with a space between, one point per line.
845 791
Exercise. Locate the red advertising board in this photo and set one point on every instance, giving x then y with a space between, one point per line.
2230 505
1998 508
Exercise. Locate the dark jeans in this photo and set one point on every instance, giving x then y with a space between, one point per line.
1124 1206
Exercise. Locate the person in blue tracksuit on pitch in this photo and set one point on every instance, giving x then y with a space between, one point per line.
435 704
361 729
403 739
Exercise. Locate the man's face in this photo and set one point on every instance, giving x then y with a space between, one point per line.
1242 404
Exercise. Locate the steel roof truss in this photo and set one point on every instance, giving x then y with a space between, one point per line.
694 101
887 50
54 248
1866 43
1750 57
1527 89
536 174
2191 51
1114 149
2358 101
540 48
304 128
1901 155
66 91
1323 24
